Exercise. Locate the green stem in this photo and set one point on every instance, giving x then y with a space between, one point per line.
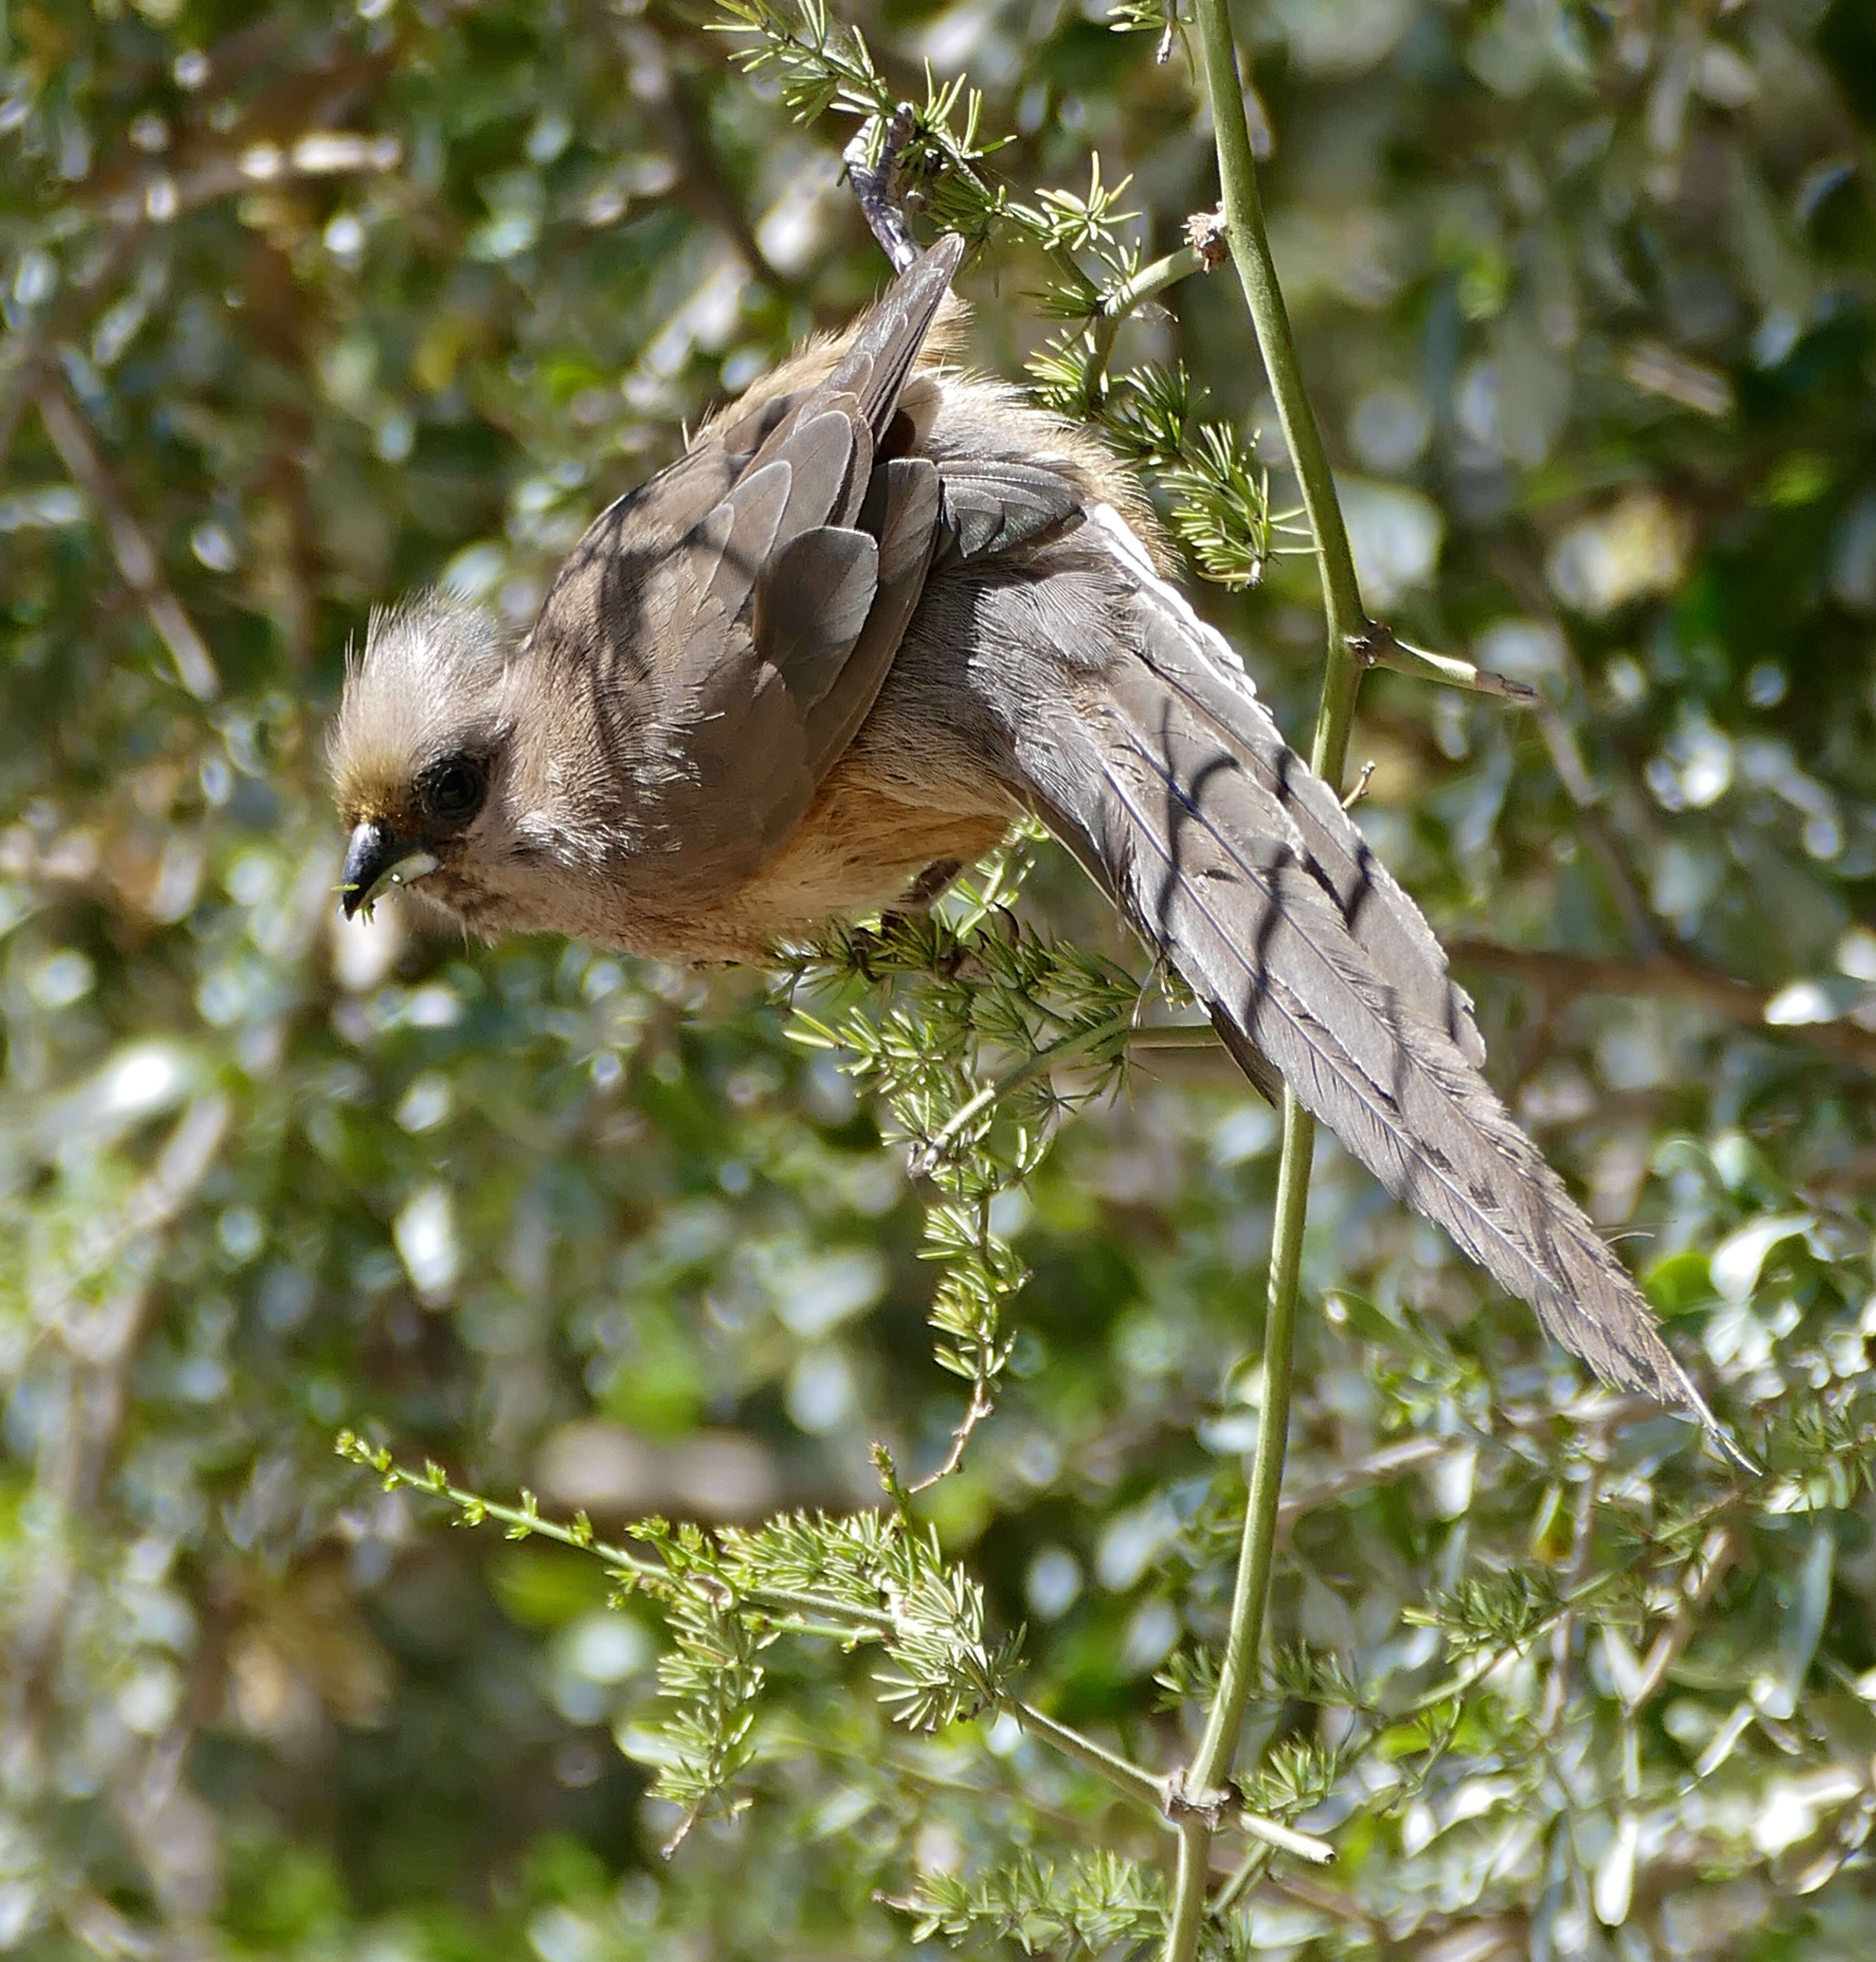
1250 253
1250 1868
1346 621
1285 1838
1121 1773
1379 647
1188 1888
528 1521
1081 1042
1133 1781
1151 279
1115 306
1174 1035
1211 1764
819 1631
1066 1050
866 1622
1456 1685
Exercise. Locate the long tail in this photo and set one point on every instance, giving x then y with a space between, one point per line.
1175 787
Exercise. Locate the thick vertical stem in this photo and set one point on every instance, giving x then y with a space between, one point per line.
1188 1896
1346 618
1250 253
1212 1764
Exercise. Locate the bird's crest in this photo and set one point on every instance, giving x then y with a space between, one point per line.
427 684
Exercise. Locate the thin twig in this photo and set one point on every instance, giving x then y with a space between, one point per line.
1701 1583
1378 1468
1119 1027
1132 292
1666 974
1250 1868
135 556
1475 1669
1283 1839
981 1405
1173 1036
1360 788
1140 287
1122 1773
526 1520
1310 1892
1069 1048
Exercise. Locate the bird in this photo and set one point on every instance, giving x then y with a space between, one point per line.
878 612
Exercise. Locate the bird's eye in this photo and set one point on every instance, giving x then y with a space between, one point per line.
454 790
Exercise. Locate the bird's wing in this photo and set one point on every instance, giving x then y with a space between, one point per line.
769 579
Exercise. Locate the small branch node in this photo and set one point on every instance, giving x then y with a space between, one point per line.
1224 1809
1367 646
1206 233
983 1405
1209 1806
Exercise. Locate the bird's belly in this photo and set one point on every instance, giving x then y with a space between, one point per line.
857 851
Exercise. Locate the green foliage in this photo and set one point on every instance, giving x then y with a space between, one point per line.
955 1021
296 313
711 1672
1217 495
869 1576
1295 1776
822 64
1221 507
1496 1612
1099 1905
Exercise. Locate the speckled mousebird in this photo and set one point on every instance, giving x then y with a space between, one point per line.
876 613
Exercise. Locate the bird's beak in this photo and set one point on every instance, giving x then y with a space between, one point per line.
377 857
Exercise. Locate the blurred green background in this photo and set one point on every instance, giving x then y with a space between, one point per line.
305 305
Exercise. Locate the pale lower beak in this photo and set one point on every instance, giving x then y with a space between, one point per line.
375 858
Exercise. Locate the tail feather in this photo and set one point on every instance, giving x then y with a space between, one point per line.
1176 788
1197 661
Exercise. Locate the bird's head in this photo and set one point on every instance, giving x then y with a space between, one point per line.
419 754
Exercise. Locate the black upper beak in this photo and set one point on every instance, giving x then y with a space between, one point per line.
373 851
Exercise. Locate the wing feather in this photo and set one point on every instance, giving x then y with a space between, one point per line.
789 554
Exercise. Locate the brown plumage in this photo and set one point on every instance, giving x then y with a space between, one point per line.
875 613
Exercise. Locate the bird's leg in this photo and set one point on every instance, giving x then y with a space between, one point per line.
874 185
929 885
917 898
